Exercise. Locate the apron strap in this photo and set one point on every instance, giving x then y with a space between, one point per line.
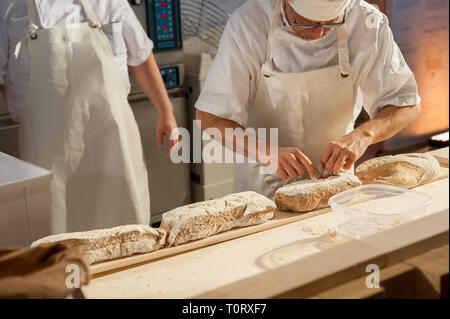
32 23
276 21
342 37
94 22
344 58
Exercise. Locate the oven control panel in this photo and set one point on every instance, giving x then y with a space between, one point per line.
164 24
171 77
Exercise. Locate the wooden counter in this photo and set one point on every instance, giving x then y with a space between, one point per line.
221 270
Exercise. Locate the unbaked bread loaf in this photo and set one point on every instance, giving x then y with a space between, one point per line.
406 170
107 244
204 219
311 194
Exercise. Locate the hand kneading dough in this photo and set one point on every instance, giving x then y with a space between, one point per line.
204 219
107 244
311 194
406 170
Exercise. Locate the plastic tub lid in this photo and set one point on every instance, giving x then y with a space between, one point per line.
379 200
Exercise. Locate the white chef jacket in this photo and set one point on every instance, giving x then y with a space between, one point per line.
130 43
380 74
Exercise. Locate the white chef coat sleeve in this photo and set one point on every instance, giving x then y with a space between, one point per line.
139 45
230 84
389 81
4 48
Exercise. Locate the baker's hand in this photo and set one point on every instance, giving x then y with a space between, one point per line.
167 126
342 154
290 162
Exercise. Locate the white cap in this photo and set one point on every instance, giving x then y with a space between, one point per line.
319 10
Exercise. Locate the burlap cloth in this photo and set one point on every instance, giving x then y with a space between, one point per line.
47 271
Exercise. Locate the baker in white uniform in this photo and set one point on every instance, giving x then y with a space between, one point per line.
64 75
307 68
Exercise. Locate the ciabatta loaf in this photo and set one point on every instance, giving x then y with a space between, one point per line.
204 219
311 194
107 244
405 170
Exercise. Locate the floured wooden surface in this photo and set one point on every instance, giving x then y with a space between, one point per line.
202 270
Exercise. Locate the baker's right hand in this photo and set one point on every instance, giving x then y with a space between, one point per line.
290 162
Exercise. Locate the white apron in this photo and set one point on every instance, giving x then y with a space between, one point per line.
77 122
310 110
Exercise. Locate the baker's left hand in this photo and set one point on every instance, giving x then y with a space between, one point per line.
167 126
343 153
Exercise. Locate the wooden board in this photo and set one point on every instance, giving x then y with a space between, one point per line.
280 219
442 155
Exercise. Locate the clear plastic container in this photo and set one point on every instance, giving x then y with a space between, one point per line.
369 209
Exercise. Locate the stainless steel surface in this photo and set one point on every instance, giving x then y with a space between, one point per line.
169 182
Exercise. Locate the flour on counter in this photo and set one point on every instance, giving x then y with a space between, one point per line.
315 229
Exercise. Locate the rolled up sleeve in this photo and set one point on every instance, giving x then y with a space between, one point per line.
231 81
139 45
389 81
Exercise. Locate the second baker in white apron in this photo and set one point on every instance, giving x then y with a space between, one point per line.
307 67
78 123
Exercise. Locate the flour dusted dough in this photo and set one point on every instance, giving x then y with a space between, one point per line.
204 219
107 244
406 170
311 194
